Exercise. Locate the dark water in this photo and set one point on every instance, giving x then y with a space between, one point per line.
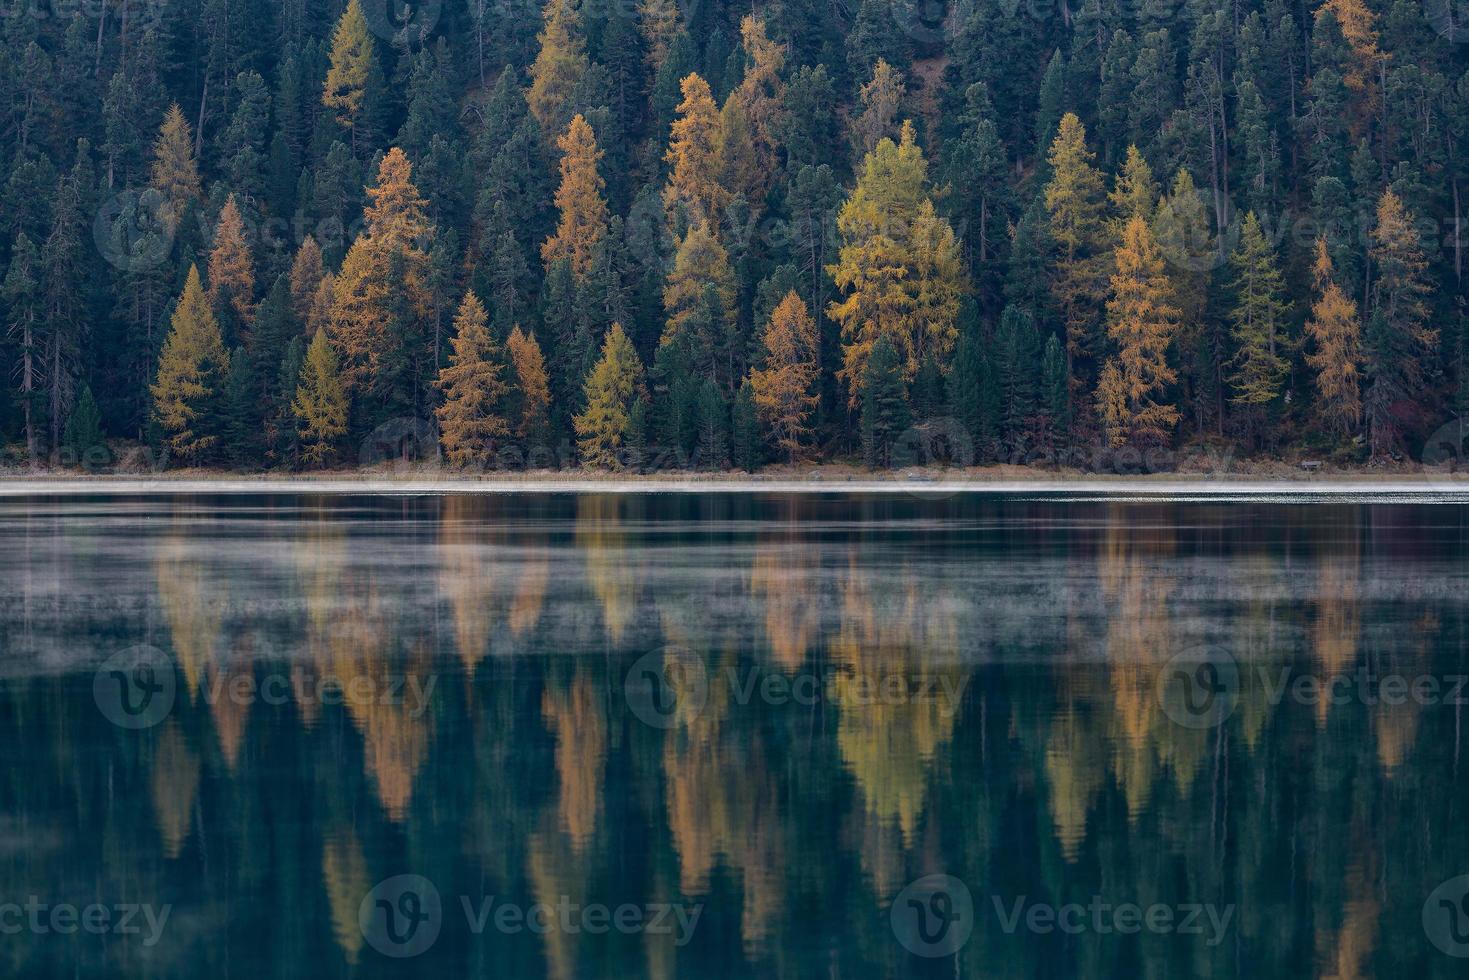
719 735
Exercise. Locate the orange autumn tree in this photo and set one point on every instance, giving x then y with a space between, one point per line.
532 386
470 419
1141 321
388 260
1337 334
785 385
175 172
231 270
579 199
693 157
1074 200
559 68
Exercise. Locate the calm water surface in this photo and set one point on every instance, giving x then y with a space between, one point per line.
722 735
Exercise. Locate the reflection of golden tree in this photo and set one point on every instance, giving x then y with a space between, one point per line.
604 547
530 592
785 579
465 576
1397 724
395 732
231 713
344 875
175 786
1346 953
1338 618
579 720
555 870
891 633
1075 771
320 557
193 611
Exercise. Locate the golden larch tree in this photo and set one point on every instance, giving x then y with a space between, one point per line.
191 369
321 403
881 97
175 172
1075 199
700 262
351 67
307 271
1359 27
659 21
785 383
531 382
898 267
1141 321
231 270
610 390
559 68
1336 333
470 419
762 93
693 156
396 239
579 199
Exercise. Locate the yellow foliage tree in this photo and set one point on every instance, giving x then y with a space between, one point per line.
761 92
881 98
693 156
345 87
559 68
307 271
191 368
532 383
1337 334
1359 27
396 238
659 21
785 386
470 419
610 390
579 199
1141 321
1074 199
175 173
699 263
899 266
231 270
321 403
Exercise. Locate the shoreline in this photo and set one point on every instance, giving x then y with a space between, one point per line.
1423 486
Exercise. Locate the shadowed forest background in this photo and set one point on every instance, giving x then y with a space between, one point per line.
254 234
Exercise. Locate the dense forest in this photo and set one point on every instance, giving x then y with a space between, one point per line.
274 235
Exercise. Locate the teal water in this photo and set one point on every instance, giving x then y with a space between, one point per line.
731 735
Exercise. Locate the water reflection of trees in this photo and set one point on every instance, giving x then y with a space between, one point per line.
1057 775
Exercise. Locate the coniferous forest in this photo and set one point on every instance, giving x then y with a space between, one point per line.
631 233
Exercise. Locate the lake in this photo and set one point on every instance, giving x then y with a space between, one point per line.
709 735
